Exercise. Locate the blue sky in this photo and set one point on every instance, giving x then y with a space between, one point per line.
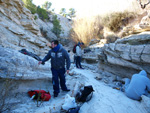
88 7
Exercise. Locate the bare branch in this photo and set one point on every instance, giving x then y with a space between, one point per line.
143 5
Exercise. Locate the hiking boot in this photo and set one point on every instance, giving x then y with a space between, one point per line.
81 68
55 95
66 90
122 89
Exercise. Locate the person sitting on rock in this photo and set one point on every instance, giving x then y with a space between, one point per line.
138 86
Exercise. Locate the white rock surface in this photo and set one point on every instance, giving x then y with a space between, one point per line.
18 28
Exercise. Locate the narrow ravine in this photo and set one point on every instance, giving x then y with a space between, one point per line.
105 99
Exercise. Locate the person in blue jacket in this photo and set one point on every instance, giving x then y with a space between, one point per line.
59 57
138 86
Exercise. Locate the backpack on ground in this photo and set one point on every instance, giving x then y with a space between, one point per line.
74 110
85 94
74 48
39 94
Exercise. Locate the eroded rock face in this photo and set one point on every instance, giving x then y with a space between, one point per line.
19 66
127 56
18 29
124 57
46 29
66 26
19 74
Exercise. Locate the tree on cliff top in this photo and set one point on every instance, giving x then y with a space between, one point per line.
42 13
29 5
71 13
63 12
47 5
56 26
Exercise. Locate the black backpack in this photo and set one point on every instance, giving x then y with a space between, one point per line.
85 94
74 110
24 51
74 48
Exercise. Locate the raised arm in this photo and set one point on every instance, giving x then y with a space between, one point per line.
47 57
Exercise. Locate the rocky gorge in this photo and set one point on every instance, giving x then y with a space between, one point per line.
19 30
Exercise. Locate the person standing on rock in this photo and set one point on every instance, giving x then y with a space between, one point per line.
79 55
59 57
138 86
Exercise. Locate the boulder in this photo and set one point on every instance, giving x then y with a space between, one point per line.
94 41
144 24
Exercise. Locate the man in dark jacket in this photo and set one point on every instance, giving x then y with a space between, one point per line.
59 57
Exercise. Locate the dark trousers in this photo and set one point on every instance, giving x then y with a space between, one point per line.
75 59
56 76
78 62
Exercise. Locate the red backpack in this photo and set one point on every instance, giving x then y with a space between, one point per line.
44 96
74 48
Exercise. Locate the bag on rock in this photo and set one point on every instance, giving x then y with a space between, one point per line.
41 94
69 103
74 110
85 94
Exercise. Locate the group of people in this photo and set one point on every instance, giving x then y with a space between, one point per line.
59 59
136 87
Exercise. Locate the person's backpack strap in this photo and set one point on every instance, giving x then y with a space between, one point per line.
74 48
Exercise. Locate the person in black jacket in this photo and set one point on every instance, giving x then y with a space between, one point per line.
59 57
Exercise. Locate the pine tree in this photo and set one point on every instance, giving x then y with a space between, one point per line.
72 12
56 26
63 12
47 5
29 5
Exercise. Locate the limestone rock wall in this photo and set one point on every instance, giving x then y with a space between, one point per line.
47 26
126 56
18 29
15 65
123 58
